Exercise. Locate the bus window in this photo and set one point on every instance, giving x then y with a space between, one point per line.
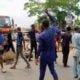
5 22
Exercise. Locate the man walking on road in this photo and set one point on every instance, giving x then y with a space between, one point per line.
46 48
33 42
76 57
20 44
66 39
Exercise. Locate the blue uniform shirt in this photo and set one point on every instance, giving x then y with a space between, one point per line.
46 48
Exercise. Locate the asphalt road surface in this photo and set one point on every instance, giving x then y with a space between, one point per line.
20 73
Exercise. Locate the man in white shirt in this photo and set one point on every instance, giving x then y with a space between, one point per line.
76 57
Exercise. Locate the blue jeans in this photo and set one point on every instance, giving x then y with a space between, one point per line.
76 66
20 52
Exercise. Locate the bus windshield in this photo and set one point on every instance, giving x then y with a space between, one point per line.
4 21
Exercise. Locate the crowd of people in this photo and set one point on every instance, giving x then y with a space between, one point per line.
46 51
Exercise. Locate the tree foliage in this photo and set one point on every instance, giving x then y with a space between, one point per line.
36 7
60 7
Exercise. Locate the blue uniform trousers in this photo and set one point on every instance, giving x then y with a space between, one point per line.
43 66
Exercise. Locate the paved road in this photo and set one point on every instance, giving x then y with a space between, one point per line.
32 74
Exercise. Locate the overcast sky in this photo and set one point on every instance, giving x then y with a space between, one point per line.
14 8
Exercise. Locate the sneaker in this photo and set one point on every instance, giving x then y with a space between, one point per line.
76 76
66 66
28 66
13 67
3 71
30 60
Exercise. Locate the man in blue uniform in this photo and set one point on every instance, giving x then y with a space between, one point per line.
46 48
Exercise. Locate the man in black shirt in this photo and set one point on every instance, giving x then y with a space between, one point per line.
33 43
66 39
10 42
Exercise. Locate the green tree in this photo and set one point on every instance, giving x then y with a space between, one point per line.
61 18
36 7
60 7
